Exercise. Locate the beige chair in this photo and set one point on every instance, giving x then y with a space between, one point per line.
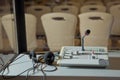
38 11
99 24
92 8
28 3
8 23
66 9
71 3
60 29
106 1
115 30
73 0
115 11
93 0
3 11
93 3
1 39
112 3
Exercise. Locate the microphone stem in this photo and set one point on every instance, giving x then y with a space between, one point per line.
82 43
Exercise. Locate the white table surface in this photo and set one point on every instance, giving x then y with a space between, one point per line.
25 62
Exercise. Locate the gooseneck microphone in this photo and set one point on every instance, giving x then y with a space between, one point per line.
87 32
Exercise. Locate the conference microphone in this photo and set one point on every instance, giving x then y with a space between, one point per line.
87 32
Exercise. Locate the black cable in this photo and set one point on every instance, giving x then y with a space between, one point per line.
51 70
5 77
36 66
43 71
28 74
8 63
23 54
19 57
2 62
44 74
12 60
7 67
2 65
18 63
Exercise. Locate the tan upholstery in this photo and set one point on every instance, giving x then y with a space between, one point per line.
67 9
93 3
92 8
71 3
28 3
112 3
38 11
106 1
93 0
1 39
4 9
60 29
74 0
9 26
115 11
99 24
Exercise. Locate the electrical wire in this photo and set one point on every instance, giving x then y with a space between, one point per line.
35 66
19 63
19 57
12 60
8 63
44 74
2 62
5 77
7 67
55 68
28 74
42 69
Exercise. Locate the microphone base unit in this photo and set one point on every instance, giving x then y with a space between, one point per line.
73 56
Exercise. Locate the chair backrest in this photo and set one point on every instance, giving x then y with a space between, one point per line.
115 11
99 24
92 8
4 10
112 3
93 0
73 0
67 9
8 23
71 3
1 39
60 29
106 1
93 3
38 11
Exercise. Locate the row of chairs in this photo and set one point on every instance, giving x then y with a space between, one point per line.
38 11
60 29
78 4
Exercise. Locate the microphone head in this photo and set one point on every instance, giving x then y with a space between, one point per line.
87 32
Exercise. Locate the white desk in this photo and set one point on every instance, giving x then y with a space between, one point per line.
24 63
